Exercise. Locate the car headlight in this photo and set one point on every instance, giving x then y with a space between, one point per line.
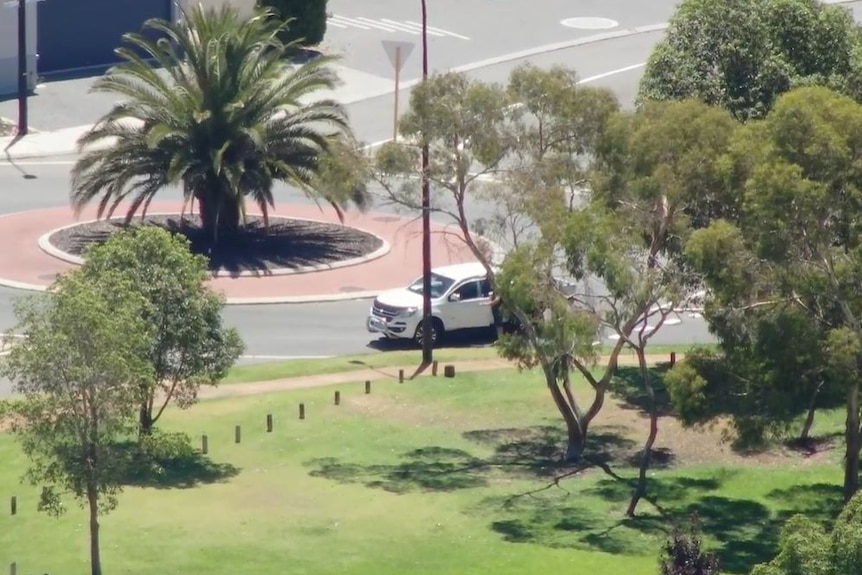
409 311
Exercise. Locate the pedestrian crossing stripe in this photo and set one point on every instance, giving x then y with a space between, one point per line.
387 25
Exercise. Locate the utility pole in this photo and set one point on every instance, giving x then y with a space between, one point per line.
427 322
22 68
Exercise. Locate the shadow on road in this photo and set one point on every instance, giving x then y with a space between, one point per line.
460 339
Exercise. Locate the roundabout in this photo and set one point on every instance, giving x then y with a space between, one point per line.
41 244
284 246
322 313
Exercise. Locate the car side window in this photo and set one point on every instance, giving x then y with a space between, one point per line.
485 288
468 291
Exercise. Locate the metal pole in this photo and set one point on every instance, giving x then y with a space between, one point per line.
427 353
22 68
397 88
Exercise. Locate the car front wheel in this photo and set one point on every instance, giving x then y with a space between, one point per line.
435 333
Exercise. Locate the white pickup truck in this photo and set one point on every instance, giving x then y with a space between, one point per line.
460 299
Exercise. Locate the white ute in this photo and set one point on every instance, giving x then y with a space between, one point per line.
460 298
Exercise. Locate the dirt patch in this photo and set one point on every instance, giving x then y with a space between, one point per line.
677 445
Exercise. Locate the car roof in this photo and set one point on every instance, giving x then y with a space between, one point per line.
460 272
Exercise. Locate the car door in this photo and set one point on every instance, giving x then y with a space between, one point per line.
468 309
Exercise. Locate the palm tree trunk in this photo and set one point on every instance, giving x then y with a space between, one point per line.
220 218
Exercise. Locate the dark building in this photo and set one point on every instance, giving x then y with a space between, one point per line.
76 34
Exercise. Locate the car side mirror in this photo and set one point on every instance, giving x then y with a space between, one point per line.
455 296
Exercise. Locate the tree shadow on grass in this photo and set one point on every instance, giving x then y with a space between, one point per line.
745 531
426 469
592 519
168 461
628 387
517 453
820 502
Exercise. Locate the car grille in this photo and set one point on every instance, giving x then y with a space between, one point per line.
383 310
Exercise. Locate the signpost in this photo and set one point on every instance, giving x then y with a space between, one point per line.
398 53
23 88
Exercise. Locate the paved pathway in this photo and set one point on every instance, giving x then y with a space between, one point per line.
357 377
25 265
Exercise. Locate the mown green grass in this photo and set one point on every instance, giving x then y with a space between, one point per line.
308 367
417 478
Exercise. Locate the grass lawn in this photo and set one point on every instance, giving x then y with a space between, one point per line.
306 367
437 476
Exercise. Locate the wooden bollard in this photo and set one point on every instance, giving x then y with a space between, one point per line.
448 371
13 569
269 423
434 368
367 386
400 376
301 411
672 358
337 398
237 434
13 505
205 448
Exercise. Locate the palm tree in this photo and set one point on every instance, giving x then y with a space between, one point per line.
210 104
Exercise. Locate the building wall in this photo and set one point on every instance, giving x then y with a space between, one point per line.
9 47
83 34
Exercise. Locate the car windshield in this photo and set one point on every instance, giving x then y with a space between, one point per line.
439 285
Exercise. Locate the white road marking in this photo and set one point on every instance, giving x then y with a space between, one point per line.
349 22
375 24
439 30
590 23
400 27
388 25
432 31
612 73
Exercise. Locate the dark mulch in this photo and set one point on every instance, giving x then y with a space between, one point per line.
288 243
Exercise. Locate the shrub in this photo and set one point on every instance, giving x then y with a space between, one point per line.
306 20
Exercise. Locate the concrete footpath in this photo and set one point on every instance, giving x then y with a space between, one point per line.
359 376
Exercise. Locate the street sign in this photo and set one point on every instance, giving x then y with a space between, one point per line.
398 52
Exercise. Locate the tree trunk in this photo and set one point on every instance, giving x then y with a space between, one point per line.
852 433
576 426
809 417
145 420
577 438
646 455
95 553
220 219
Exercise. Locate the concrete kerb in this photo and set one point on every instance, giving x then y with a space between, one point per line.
497 255
46 246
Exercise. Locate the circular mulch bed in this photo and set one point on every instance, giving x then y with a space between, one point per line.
287 244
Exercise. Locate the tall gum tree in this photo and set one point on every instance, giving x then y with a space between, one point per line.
76 374
189 345
742 54
621 248
464 124
799 223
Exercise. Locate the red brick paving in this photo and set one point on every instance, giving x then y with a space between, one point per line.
21 259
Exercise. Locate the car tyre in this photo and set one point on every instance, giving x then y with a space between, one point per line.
436 332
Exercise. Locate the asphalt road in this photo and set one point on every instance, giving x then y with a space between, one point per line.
466 31
338 328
